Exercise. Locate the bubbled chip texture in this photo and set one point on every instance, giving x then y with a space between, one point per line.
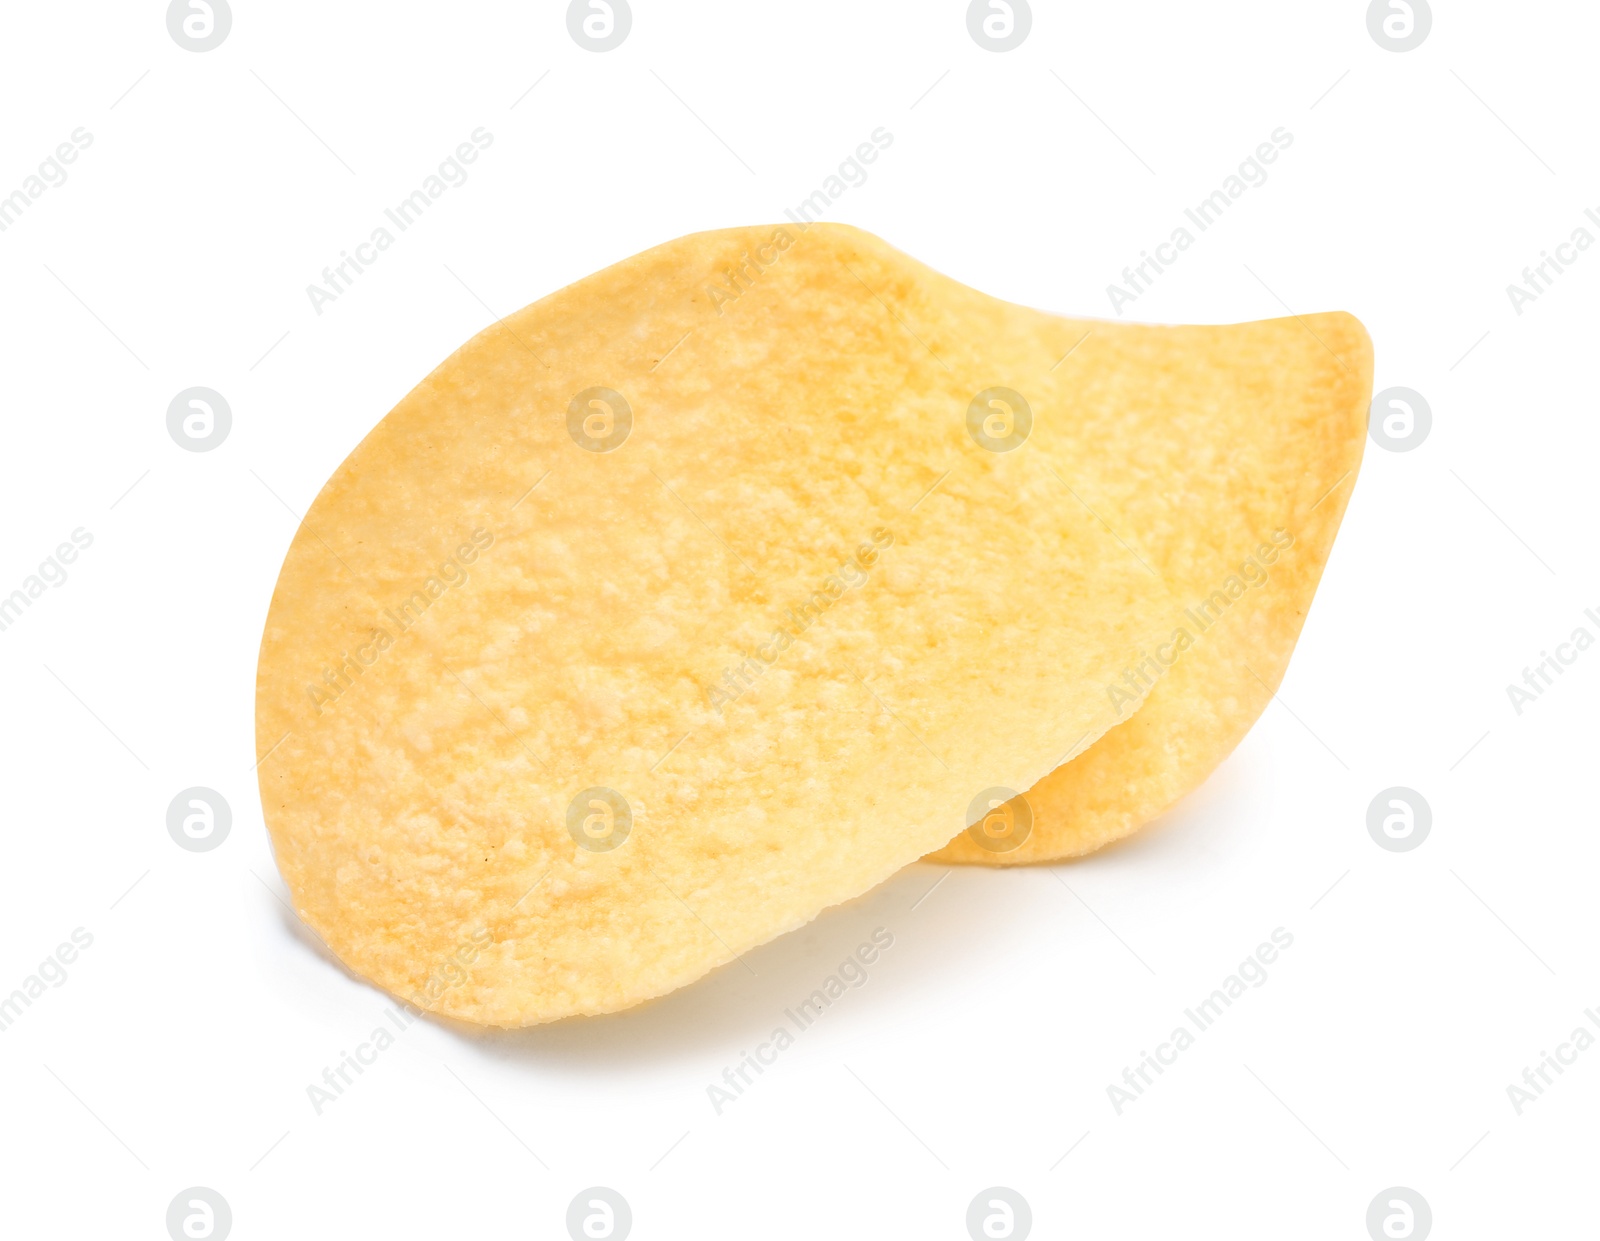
1239 448
707 558
788 628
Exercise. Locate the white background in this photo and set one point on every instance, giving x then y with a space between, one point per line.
1420 984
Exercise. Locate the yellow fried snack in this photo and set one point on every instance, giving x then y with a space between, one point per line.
1241 447
679 606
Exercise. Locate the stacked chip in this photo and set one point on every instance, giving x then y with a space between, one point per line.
655 622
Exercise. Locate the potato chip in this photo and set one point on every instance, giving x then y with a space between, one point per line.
688 602
1241 446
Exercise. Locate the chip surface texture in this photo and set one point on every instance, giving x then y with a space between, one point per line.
655 621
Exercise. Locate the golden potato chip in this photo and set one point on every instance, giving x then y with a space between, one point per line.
1241 446
683 604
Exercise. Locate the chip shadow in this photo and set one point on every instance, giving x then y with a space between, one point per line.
941 923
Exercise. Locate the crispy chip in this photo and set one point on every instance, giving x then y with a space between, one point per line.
697 598
1240 447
